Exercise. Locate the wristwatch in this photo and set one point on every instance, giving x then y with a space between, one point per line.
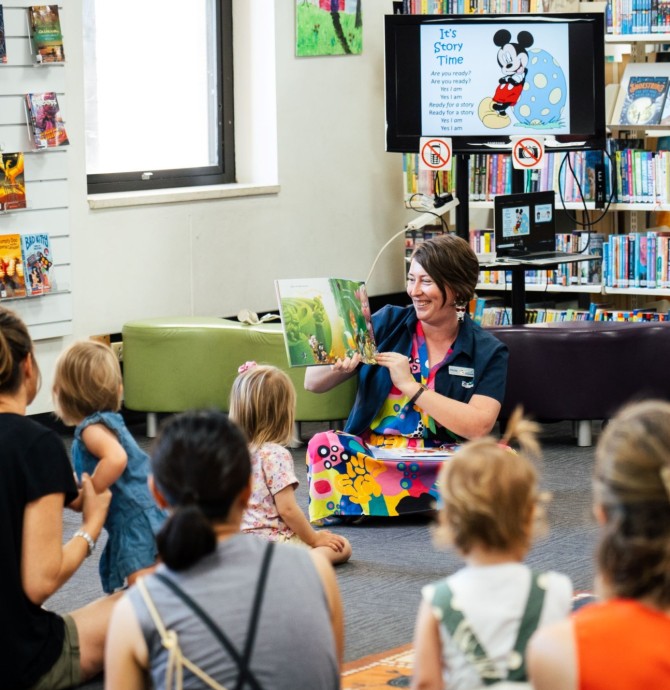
89 540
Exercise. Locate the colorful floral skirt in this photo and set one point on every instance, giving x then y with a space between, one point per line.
345 480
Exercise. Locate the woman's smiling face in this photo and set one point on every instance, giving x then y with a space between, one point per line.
427 298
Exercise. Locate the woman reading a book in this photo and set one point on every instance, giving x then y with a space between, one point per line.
439 379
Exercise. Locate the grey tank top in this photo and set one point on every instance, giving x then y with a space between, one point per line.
294 645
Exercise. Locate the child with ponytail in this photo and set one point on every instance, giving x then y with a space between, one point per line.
473 626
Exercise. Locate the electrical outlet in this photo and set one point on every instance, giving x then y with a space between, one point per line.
118 350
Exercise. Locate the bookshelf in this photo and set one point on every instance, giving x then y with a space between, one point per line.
623 216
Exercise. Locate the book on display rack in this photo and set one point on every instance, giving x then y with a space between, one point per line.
45 34
45 122
37 263
12 183
12 280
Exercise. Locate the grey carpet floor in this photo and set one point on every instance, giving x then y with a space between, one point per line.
393 558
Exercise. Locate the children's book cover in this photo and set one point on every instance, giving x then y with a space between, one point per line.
12 183
45 120
12 281
325 319
3 42
37 263
644 100
45 34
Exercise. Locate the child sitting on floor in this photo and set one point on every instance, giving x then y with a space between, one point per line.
473 626
87 394
262 403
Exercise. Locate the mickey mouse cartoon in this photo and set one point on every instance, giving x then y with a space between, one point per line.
513 62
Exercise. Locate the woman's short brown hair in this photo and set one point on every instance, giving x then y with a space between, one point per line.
87 380
451 262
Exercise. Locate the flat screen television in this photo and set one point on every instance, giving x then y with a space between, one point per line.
479 79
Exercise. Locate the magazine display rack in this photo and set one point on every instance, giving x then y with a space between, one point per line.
48 314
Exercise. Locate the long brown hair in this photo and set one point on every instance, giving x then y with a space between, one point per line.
15 346
632 487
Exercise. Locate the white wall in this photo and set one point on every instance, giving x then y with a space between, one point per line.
340 198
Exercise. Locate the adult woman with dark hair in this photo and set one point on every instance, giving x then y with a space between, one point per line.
230 608
42 650
623 641
439 379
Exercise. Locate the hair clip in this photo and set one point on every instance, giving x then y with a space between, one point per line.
245 367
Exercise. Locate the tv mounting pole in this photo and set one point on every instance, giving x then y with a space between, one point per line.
463 193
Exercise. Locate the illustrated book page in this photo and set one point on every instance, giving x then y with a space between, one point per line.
325 319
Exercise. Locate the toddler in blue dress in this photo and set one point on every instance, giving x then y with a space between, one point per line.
87 393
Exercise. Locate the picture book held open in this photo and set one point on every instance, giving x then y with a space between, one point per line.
325 319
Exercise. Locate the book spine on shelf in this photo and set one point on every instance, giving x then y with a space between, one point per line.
651 259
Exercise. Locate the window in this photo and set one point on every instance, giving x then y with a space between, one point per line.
159 94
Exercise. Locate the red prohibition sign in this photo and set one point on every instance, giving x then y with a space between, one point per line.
527 152
435 154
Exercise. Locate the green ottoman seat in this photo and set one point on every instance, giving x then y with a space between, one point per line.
181 363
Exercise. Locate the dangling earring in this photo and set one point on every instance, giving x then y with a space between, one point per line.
460 310
460 313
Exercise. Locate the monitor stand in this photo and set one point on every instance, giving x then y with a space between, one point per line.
463 230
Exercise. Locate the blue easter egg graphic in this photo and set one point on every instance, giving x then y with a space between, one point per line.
544 94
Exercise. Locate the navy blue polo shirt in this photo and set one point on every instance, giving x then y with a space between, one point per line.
476 366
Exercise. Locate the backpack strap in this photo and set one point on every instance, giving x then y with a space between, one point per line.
253 620
464 637
174 674
242 661
462 634
529 624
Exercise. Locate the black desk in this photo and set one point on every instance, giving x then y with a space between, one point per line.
518 267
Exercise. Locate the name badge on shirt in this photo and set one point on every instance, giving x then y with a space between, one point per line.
461 371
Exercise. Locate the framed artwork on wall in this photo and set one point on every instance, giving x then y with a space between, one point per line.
328 27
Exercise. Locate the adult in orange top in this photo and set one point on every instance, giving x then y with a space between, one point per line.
623 641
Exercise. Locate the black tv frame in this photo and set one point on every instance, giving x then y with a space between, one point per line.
403 83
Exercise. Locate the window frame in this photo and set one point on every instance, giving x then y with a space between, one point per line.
224 172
